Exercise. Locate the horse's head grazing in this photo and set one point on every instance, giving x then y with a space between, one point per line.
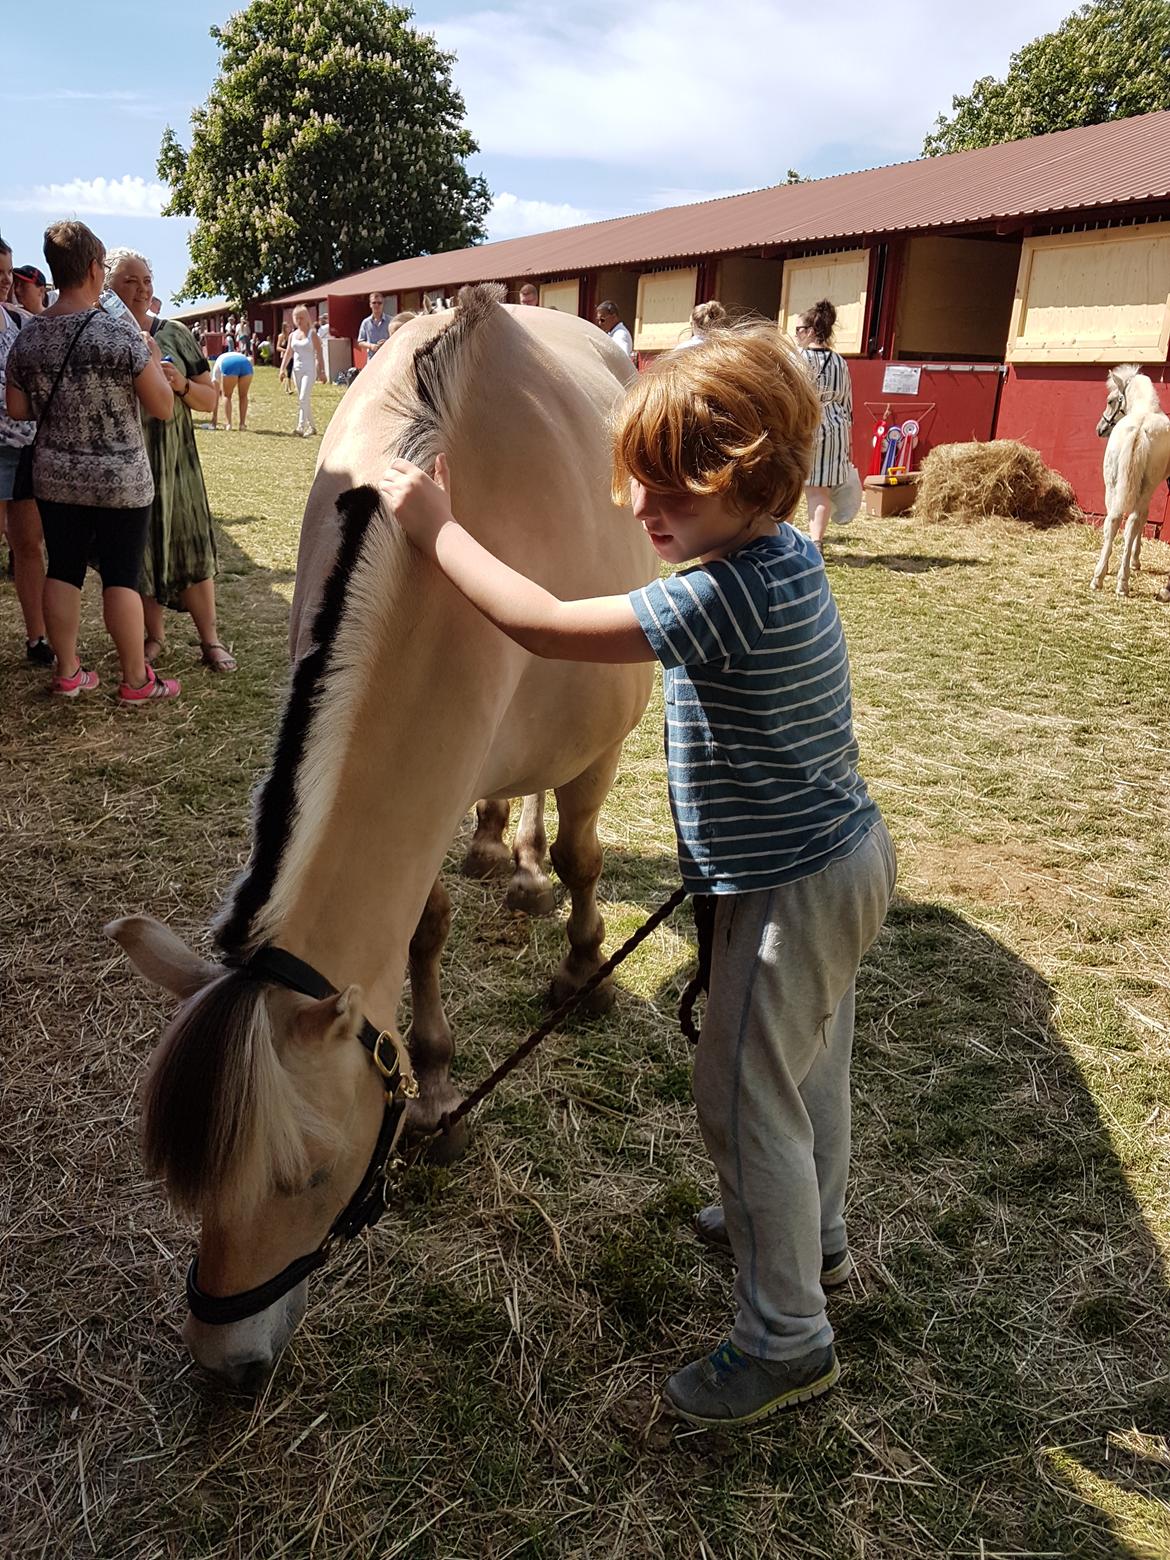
260 1110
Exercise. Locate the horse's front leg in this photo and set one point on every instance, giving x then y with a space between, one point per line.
530 889
430 1041
576 855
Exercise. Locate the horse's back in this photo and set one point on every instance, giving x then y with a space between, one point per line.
529 459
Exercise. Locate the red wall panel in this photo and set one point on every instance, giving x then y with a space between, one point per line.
953 405
1055 407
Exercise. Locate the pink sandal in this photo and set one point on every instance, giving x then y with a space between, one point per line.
155 687
69 687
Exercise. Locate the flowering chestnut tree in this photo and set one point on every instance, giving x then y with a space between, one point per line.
332 139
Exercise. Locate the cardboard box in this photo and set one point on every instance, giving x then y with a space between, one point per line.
882 498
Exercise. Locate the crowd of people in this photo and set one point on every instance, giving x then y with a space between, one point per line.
99 464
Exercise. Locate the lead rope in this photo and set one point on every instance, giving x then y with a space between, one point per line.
451 1118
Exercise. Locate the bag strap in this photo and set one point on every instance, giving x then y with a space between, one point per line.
77 335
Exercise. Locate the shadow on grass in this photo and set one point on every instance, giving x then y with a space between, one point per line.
1004 1343
902 563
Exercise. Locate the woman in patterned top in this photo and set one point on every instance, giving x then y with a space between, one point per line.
82 374
179 564
832 453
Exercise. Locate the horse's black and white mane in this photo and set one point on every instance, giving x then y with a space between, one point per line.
429 403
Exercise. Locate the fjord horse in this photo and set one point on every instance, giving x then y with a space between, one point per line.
266 1105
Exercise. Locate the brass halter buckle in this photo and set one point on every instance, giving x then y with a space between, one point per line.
399 1078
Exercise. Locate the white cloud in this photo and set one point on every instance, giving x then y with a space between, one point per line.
512 216
129 196
734 97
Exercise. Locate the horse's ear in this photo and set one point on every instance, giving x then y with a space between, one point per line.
164 958
332 1019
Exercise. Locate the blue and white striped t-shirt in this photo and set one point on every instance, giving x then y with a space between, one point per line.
761 757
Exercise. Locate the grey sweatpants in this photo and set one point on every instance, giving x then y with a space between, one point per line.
772 1085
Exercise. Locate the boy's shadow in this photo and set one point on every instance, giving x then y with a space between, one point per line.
1007 1330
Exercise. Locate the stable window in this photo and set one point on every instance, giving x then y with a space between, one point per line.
1096 297
745 285
665 301
564 296
842 278
617 286
955 298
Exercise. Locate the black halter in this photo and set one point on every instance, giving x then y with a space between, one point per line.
368 1203
1111 422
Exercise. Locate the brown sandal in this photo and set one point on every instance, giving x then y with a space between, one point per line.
217 657
149 655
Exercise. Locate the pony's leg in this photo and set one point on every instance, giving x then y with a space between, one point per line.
429 1041
1109 529
1133 527
530 890
1137 544
576 854
487 855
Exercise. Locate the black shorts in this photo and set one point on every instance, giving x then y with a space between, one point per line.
75 533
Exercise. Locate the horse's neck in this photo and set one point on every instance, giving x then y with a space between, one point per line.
1141 397
390 767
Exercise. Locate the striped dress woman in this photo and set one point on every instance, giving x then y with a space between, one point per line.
832 453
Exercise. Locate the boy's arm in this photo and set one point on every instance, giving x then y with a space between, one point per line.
600 628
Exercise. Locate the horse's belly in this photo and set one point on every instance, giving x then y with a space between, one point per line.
564 716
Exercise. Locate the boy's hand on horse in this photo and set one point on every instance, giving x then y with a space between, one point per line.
420 504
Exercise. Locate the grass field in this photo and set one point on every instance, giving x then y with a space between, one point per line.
479 1380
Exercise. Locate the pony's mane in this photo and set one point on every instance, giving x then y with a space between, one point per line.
1122 374
319 712
221 1117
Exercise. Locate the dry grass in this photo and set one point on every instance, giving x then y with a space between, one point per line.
1000 478
478 1380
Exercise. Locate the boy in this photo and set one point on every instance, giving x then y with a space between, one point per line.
712 446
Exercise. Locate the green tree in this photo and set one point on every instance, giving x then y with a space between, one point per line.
332 139
1105 61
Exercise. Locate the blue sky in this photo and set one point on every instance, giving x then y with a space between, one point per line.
581 112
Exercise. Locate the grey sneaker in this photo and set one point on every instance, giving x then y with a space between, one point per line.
731 1388
710 1226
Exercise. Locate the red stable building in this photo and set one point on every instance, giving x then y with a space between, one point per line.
984 293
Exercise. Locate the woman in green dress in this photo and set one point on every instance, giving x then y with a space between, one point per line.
179 565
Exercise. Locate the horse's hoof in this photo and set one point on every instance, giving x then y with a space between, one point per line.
532 895
596 1004
1095 583
487 861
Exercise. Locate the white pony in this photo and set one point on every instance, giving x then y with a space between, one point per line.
1137 459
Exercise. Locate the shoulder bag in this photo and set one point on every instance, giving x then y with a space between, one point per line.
22 482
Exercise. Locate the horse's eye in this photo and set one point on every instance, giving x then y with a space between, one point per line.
318 1178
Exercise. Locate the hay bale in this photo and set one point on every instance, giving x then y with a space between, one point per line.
1002 477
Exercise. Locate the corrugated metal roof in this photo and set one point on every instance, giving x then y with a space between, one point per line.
1117 164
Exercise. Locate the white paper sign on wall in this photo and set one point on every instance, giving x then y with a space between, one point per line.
901 379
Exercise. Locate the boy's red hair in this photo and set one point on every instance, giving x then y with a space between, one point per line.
734 415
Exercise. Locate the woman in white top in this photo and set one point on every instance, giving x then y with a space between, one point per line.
308 363
832 453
